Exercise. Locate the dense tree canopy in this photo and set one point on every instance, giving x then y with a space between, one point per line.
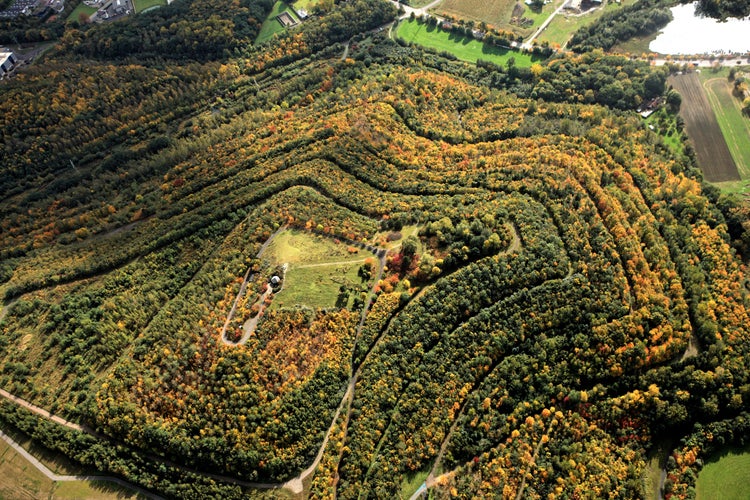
567 291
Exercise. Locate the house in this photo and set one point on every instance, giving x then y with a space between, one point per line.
302 14
275 280
8 61
478 34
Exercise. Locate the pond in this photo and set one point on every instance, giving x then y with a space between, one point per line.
690 34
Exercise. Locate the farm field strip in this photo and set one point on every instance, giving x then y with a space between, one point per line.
714 157
735 127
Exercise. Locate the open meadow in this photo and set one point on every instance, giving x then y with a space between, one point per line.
318 267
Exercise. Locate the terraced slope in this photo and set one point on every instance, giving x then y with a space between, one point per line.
531 341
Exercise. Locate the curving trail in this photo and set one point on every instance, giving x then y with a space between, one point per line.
67 478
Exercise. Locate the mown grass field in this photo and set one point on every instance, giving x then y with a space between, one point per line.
271 25
714 157
726 476
318 266
464 48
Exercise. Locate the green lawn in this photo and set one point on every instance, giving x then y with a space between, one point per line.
271 25
141 5
465 49
725 477
81 9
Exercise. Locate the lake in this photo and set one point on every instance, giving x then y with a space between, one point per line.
688 34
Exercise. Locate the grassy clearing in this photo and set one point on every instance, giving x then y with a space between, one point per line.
734 126
665 124
563 26
80 11
464 48
316 286
725 476
654 467
318 267
300 248
141 5
271 25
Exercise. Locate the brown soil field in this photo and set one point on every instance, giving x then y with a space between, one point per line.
712 151
493 12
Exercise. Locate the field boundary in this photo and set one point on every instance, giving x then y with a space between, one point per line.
732 134
712 151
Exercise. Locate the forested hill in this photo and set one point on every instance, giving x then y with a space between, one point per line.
538 288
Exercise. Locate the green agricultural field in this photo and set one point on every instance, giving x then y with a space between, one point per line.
726 477
82 9
734 126
141 5
318 266
465 49
271 25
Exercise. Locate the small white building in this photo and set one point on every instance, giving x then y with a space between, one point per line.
8 61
